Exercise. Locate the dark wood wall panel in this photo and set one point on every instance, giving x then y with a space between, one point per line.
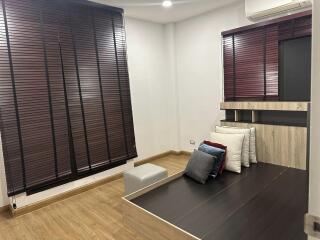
64 92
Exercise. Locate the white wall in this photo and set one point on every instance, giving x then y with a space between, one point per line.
153 102
314 190
3 185
200 70
152 86
173 91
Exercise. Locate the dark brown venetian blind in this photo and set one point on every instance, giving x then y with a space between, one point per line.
249 64
39 103
271 63
53 21
229 67
110 84
10 124
92 112
65 97
123 78
251 58
295 28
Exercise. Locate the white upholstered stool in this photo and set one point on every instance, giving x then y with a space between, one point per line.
142 176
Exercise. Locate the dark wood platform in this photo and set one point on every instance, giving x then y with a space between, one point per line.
264 202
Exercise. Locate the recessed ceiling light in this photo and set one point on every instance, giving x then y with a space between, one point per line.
167 3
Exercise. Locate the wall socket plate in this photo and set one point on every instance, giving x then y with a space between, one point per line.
312 225
192 142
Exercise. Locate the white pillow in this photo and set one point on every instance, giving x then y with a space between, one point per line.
253 154
234 147
246 142
252 149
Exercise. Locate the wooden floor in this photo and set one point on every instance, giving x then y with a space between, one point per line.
264 202
95 214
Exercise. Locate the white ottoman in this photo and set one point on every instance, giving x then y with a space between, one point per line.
142 176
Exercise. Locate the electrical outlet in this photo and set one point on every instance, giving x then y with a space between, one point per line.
192 142
312 226
316 227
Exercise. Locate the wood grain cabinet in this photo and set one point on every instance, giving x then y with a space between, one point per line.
280 141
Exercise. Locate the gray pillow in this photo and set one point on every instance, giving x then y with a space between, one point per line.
200 166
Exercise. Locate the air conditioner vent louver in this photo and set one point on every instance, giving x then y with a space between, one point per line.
260 9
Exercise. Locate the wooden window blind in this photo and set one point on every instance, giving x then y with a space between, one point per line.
123 76
294 28
251 58
249 64
229 67
64 92
271 68
93 147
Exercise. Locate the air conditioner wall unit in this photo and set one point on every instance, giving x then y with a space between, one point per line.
261 9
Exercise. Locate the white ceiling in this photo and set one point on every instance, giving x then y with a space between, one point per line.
152 10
